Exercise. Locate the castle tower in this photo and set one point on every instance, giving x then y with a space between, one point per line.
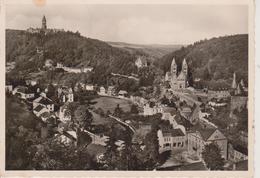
184 67
174 68
44 24
234 83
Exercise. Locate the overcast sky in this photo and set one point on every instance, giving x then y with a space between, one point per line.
142 24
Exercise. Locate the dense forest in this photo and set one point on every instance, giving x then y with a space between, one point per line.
213 60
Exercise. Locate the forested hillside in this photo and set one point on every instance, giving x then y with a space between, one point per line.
213 60
70 48
155 51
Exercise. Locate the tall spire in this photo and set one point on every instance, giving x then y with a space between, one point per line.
184 67
234 83
174 67
44 23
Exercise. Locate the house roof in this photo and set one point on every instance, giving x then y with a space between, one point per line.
38 108
45 101
122 92
206 133
173 133
69 136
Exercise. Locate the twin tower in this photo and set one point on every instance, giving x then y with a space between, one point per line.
177 80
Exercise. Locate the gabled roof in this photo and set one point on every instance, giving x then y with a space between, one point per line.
173 133
45 101
38 108
206 133
122 92
181 76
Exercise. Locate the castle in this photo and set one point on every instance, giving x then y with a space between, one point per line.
43 28
177 80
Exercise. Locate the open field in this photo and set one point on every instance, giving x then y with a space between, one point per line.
109 103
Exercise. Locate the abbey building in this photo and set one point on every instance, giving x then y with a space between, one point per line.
177 80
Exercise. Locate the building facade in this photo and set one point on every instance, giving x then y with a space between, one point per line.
173 140
199 138
177 80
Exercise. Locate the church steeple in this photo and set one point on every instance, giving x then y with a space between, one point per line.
174 67
44 23
184 67
234 83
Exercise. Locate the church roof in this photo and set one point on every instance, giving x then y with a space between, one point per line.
173 62
184 62
182 75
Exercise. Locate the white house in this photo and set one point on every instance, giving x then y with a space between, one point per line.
102 91
173 139
23 92
122 94
89 87
65 94
148 111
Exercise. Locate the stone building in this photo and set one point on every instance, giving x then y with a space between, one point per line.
173 139
197 139
177 80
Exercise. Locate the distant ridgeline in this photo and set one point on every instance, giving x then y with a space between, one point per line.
212 62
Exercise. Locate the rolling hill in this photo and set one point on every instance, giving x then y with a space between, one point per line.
213 60
155 51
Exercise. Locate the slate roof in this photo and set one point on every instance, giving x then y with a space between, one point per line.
173 133
38 108
45 101
206 133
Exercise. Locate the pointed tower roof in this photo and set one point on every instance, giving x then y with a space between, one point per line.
44 18
234 83
184 62
173 62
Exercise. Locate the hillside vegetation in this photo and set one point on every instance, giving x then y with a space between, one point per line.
155 51
213 60
72 49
